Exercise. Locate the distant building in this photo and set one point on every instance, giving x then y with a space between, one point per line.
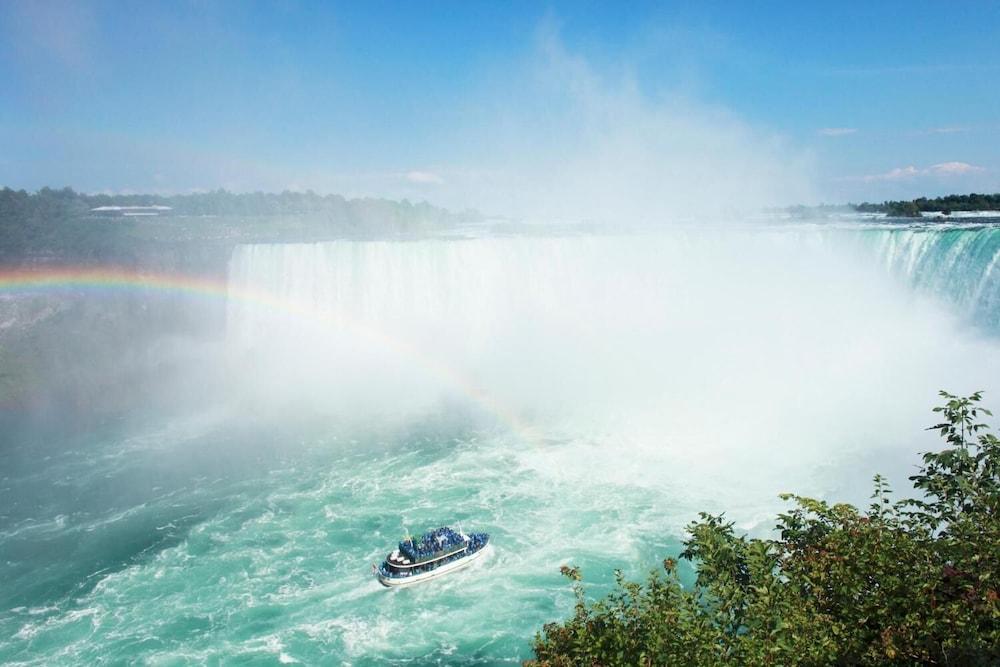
130 211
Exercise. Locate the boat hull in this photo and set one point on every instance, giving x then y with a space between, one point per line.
399 582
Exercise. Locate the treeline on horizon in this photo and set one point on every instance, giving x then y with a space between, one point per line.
61 222
946 205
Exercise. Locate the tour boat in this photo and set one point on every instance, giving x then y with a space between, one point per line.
434 554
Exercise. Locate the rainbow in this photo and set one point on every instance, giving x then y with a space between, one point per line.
102 278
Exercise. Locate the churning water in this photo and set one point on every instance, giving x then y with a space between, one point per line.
580 398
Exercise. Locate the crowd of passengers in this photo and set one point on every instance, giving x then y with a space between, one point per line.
476 542
439 539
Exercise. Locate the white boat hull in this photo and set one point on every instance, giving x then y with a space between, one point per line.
395 582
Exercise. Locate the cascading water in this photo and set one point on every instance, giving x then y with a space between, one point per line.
714 351
958 264
559 324
580 398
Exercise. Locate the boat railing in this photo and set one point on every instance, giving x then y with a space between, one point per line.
399 565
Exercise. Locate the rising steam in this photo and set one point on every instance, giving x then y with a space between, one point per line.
568 141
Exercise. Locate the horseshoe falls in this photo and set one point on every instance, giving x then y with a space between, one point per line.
578 396
954 263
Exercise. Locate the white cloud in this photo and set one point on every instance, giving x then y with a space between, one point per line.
899 173
910 172
946 130
424 178
949 168
837 131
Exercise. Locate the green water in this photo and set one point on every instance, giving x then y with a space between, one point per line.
214 556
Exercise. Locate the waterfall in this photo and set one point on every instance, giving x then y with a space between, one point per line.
469 292
956 264
716 349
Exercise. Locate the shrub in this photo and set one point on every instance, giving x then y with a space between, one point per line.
911 581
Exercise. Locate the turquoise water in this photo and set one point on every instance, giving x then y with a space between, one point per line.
214 564
956 262
580 399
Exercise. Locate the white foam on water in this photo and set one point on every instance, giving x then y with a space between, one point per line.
653 376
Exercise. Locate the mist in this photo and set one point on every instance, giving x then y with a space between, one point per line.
566 140
732 359
548 133
392 273
554 137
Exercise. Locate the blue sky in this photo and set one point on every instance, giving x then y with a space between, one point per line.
481 103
